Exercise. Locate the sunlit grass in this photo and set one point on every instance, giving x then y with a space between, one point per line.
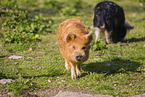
120 71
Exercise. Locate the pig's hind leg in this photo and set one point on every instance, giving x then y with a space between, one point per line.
97 33
108 36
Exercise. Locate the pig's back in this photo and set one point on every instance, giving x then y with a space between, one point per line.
73 25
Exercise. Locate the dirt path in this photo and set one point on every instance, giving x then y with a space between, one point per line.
56 93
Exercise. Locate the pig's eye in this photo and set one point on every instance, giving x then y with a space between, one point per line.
83 48
74 47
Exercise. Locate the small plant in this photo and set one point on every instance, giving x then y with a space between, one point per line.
73 8
141 1
53 3
21 84
78 4
19 27
20 2
67 11
98 45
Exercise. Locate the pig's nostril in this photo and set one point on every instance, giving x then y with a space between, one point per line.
79 58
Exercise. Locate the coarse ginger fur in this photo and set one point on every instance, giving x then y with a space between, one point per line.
74 43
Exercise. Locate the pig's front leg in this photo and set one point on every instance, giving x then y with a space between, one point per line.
73 73
78 69
66 65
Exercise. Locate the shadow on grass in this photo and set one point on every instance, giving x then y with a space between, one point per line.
111 67
135 39
2 57
3 76
47 75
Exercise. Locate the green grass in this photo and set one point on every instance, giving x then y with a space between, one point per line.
120 72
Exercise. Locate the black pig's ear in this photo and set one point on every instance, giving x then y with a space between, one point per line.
69 36
89 36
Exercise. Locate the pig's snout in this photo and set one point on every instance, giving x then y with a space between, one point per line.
79 58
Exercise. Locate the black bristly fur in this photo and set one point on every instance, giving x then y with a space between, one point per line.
112 16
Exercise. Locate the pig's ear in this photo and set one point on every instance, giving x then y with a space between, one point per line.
69 36
89 36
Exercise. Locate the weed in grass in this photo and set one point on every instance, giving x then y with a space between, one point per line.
72 9
98 45
21 84
55 4
67 11
18 27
